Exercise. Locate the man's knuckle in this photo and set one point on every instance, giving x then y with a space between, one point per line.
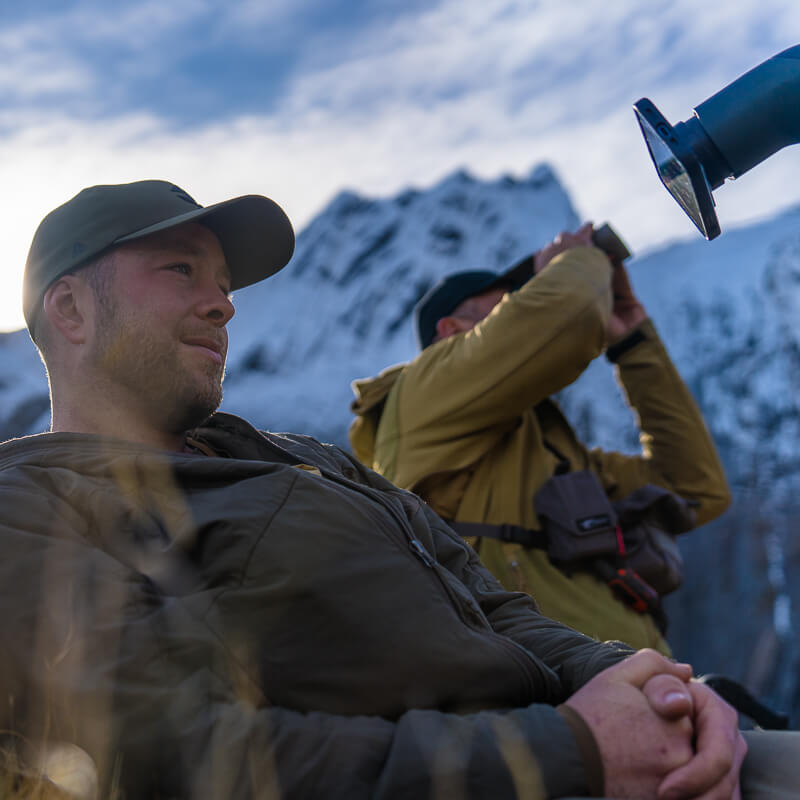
742 746
650 657
722 762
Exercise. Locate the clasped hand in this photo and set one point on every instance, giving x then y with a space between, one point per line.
661 735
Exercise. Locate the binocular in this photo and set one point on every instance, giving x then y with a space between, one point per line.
604 237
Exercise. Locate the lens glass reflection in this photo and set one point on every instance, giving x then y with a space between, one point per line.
672 174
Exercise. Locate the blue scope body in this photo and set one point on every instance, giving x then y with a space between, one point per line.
730 133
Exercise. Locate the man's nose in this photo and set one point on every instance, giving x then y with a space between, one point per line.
216 306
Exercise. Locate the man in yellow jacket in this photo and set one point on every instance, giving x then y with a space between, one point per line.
470 426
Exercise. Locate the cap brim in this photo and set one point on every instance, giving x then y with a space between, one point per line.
255 233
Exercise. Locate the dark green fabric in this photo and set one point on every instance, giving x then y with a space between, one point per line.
238 626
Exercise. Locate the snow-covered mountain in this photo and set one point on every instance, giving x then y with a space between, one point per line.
729 311
342 309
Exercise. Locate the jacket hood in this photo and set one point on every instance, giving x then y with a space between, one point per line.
371 394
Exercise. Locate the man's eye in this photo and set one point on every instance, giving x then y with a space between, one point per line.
186 269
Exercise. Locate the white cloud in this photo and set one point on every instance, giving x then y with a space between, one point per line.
493 86
32 64
30 76
57 53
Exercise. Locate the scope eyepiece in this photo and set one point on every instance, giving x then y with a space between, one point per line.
735 129
678 167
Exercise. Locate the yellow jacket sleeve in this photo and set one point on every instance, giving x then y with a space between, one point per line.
677 450
534 342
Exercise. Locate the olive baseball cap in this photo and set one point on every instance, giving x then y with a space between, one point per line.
442 299
255 233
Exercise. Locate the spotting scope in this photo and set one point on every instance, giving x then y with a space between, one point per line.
735 129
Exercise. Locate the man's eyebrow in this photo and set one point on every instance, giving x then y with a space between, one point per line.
183 247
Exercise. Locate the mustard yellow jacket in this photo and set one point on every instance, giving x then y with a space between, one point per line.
470 427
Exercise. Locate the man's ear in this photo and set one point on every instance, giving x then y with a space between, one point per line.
446 327
64 309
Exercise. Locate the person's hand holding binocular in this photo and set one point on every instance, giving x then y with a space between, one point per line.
563 241
627 312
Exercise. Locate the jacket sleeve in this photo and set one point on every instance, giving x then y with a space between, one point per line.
534 342
677 450
95 656
275 753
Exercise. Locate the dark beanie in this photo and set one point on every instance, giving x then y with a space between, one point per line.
442 299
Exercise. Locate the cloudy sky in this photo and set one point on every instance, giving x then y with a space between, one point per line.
298 100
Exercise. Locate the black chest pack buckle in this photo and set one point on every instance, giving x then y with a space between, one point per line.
629 544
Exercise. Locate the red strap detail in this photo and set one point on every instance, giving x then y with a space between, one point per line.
632 597
620 541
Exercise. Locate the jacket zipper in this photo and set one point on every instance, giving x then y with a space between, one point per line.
418 549
414 545
519 654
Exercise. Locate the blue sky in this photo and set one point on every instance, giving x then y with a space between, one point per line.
298 100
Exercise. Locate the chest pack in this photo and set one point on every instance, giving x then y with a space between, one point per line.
629 543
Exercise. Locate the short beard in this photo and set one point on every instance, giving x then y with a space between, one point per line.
182 405
193 413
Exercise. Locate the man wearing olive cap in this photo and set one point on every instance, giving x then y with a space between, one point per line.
151 357
194 608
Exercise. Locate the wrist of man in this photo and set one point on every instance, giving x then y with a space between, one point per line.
588 749
630 340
